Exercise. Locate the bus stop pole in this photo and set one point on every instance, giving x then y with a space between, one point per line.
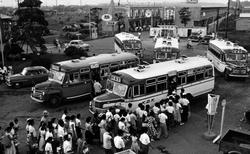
223 103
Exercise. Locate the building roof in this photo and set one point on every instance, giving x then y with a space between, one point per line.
244 15
166 67
3 16
167 42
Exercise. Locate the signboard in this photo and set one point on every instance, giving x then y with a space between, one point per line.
115 78
148 13
94 65
107 17
111 22
212 104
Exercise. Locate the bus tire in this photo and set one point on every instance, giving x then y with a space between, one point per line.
55 101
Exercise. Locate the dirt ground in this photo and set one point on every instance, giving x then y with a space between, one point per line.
186 139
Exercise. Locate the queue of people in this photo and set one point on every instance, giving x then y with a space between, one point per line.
120 129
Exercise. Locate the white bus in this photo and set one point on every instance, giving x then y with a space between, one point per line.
166 48
150 84
126 42
228 58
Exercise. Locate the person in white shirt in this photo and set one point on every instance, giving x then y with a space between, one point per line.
48 146
102 125
156 108
48 133
109 115
60 129
97 88
185 108
170 107
163 126
118 141
145 141
67 146
65 113
122 126
107 141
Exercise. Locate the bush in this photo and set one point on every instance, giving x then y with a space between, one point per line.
71 51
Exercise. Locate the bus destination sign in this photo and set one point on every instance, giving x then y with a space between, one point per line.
115 78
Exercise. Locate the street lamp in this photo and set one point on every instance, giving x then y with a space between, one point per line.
228 6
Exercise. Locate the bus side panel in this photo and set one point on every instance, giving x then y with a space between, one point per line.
147 99
220 66
195 88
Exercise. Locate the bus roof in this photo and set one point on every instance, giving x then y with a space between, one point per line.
166 67
167 42
126 36
99 59
225 45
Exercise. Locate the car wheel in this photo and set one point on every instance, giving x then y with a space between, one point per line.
17 85
54 101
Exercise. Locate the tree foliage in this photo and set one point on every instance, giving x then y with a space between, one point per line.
31 24
185 14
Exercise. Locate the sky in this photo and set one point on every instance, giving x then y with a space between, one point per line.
13 3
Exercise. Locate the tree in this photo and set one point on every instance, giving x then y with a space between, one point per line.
31 25
185 14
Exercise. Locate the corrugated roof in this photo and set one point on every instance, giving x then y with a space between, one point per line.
245 15
3 16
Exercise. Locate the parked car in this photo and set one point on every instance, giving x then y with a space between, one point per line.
78 44
28 77
206 39
195 37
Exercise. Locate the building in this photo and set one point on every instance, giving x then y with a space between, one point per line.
243 22
5 25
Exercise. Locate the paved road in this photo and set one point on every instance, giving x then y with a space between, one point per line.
186 139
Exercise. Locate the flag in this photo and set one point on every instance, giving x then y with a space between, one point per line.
212 103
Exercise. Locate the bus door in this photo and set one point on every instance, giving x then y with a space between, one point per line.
76 85
172 81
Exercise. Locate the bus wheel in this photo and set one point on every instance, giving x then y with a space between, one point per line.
54 101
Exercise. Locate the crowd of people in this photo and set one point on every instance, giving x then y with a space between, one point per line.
115 130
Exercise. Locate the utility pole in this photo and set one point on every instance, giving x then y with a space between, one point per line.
89 23
217 20
1 42
228 6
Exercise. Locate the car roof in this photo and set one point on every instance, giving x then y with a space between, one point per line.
34 68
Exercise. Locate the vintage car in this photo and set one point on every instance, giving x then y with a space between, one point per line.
28 77
78 44
195 37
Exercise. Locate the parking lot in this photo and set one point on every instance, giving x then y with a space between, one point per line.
186 139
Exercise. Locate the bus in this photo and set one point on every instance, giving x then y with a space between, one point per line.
166 48
74 78
151 83
228 58
126 42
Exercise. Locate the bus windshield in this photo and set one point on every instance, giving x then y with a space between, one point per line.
117 88
236 57
56 75
132 44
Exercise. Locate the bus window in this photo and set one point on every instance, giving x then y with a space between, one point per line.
150 89
181 78
114 67
95 74
190 78
142 89
129 93
161 86
150 81
199 74
136 90
84 76
208 72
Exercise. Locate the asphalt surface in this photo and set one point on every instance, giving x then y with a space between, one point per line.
186 139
